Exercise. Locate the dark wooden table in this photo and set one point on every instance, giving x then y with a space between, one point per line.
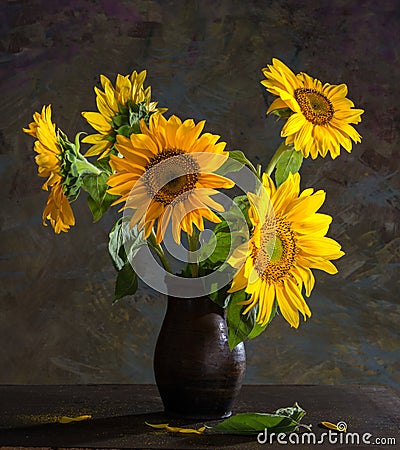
29 414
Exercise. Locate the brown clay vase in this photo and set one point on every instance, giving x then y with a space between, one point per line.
196 373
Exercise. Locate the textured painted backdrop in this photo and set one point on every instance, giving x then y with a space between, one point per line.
204 60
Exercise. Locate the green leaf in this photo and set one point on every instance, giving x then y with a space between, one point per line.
295 412
126 283
220 296
258 329
239 325
230 233
243 326
221 227
243 203
222 247
250 423
289 162
236 161
99 200
235 216
284 420
124 242
133 239
230 165
115 244
104 165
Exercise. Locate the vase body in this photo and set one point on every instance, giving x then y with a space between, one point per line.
196 373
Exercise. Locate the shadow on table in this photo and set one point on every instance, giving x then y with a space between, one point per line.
128 431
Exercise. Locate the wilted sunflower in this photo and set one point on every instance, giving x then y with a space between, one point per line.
288 241
49 160
168 168
120 111
322 114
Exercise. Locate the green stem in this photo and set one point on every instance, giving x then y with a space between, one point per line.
275 158
193 242
160 252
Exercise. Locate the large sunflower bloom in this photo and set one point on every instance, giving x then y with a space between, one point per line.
168 168
49 158
288 241
322 114
117 107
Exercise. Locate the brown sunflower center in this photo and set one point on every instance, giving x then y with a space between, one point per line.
275 257
169 174
315 107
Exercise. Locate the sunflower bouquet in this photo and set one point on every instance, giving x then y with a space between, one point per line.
171 179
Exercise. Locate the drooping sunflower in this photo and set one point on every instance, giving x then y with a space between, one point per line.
321 114
120 111
288 240
166 174
49 160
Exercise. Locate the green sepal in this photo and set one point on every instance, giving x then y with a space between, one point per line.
282 113
65 143
77 142
74 167
71 179
127 122
137 112
289 162
283 420
125 130
119 120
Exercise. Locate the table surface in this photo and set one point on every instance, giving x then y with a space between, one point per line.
29 416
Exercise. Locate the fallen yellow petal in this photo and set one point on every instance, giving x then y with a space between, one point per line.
166 427
333 426
158 425
66 419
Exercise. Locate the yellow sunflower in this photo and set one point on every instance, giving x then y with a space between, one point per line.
120 110
166 173
288 241
49 159
322 114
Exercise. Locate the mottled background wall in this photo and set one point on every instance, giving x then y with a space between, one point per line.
204 60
